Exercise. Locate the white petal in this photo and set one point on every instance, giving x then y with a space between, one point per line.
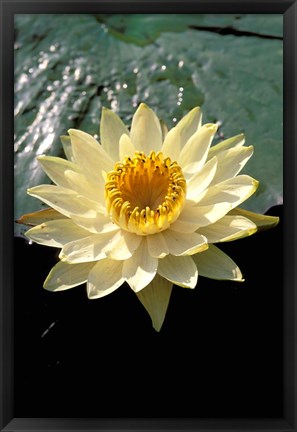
235 141
55 168
126 147
200 181
111 130
228 228
155 298
84 186
65 200
181 271
157 245
164 129
89 248
97 224
140 269
194 154
40 216
233 191
172 144
215 264
263 222
66 143
231 162
56 233
194 217
122 246
64 276
146 134
189 124
178 136
89 154
181 244
104 278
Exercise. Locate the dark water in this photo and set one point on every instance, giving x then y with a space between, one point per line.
219 353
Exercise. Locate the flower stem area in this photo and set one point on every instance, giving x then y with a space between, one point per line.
219 353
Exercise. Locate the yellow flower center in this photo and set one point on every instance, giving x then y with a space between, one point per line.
145 194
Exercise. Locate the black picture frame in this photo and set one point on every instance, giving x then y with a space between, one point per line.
8 421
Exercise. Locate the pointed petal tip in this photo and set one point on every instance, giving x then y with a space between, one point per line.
256 184
106 110
239 280
195 110
211 126
157 326
22 220
276 221
62 257
271 222
263 222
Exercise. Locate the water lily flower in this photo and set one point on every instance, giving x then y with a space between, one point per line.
146 207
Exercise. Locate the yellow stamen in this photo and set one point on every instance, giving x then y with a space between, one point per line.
145 194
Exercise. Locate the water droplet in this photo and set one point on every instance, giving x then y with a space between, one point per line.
89 79
163 67
181 89
77 74
181 63
125 85
135 100
43 65
174 119
23 78
135 70
114 105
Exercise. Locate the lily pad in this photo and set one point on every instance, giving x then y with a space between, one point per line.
145 29
68 66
